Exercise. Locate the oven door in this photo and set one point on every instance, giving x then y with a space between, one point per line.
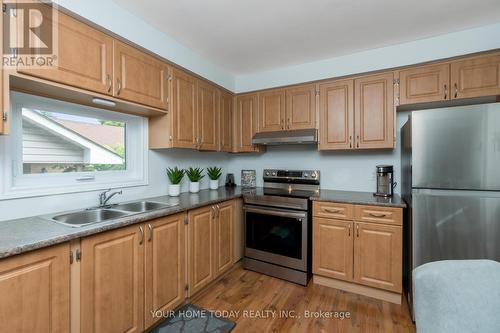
277 236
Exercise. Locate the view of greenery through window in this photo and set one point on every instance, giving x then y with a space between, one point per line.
58 142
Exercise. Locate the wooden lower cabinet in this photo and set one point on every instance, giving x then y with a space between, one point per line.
224 236
366 256
210 243
34 289
112 281
378 256
164 266
332 248
201 248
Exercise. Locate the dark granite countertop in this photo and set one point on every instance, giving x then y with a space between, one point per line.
361 198
26 234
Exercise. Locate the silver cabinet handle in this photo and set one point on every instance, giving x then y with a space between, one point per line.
150 232
218 211
289 122
109 82
333 211
349 230
118 86
357 230
456 90
377 215
142 236
213 212
357 144
445 91
350 141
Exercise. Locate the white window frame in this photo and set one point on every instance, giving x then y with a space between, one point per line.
16 184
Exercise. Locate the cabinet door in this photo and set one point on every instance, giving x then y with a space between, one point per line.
201 248
246 122
165 274
425 84
301 107
475 77
208 116
184 120
139 77
333 248
224 237
35 291
2 92
336 111
112 281
85 57
378 256
374 111
272 110
226 122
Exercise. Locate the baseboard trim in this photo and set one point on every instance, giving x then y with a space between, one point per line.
383 295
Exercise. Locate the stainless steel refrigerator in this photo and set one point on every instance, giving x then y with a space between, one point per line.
450 160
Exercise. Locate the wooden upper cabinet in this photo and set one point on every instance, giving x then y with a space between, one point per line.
224 236
139 77
200 248
112 281
85 57
35 291
208 116
378 256
301 107
425 84
246 122
164 266
475 77
336 112
3 110
374 111
272 110
183 110
226 122
333 248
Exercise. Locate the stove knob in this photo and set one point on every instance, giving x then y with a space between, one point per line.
274 174
314 174
267 173
305 175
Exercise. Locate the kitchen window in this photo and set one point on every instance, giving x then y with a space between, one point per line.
60 147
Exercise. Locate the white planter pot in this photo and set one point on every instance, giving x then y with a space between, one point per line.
194 187
214 184
174 190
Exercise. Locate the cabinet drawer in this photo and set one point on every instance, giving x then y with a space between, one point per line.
333 210
387 215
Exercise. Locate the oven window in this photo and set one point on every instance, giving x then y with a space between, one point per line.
274 234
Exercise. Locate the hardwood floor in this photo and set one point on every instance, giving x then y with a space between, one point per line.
241 292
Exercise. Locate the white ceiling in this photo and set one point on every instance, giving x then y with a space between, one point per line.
247 36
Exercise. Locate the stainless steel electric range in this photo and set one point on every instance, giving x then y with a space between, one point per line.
278 226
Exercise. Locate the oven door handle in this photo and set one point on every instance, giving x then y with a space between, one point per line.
297 215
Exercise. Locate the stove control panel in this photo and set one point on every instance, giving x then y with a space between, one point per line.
292 174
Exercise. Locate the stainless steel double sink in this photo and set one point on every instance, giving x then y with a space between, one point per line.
101 214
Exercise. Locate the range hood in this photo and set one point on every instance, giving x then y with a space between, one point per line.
307 136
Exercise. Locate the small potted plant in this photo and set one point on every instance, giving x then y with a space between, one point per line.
175 175
214 174
194 175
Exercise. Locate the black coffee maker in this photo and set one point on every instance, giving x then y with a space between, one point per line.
230 180
385 181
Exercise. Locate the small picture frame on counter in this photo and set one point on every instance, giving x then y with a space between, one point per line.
248 178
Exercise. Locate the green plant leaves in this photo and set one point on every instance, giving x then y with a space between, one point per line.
214 173
175 175
194 174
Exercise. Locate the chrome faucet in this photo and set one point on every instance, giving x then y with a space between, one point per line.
104 197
